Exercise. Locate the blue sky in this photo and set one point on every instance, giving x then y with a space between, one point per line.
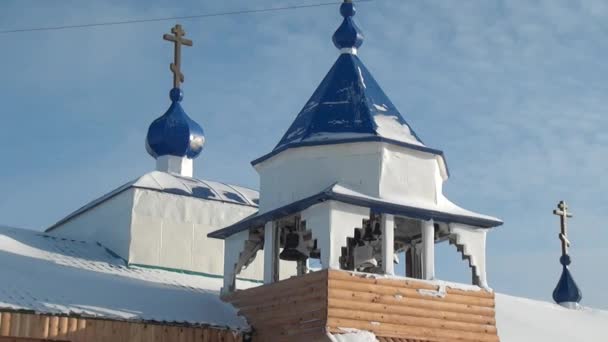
513 91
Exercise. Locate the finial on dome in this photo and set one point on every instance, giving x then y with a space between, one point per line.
566 292
174 139
348 37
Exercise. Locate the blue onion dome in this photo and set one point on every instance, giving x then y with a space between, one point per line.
566 290
175 133
348 35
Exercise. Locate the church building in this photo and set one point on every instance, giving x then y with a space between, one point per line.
313 256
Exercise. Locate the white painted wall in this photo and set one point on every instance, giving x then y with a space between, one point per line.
173 164
302 172
409 173
154 228
106 223
171 231
373 168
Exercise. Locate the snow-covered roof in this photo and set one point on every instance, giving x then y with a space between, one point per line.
445 211
526 320
178 185
51 275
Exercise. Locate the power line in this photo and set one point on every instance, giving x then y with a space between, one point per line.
186 17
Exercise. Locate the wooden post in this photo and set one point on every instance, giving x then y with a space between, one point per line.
409 262
387 224
229 282
229 274
271 252
428 250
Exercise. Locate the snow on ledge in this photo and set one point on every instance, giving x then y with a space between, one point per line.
388 126
441 284
352 335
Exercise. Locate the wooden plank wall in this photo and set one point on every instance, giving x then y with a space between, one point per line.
21 339
405 310
290 310
396 310
75 329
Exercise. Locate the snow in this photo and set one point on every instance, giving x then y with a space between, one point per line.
361 80
60 276
527 320
352 335
381 108
440 293
184 186
442 284
388 126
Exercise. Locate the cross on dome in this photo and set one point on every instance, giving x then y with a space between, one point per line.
178 39
564 214
566 292
174 139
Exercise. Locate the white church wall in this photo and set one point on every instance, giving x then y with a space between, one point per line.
409 173
171 231
306 171
107 223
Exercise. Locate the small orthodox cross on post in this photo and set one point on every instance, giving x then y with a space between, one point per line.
562 212
178 39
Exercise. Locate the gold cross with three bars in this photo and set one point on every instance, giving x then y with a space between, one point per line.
564 214
178 39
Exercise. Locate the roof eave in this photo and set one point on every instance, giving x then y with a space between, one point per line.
258 220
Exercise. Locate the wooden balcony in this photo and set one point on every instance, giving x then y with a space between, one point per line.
308 307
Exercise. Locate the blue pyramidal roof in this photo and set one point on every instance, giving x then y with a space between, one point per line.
349 105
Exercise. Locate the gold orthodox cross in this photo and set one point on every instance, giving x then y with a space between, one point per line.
178 39
564 214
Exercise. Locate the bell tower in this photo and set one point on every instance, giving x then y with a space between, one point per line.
351 184
348 186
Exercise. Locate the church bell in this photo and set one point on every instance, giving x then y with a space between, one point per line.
369 234
291 252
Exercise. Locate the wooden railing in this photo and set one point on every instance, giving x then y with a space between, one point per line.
290 310
306 308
